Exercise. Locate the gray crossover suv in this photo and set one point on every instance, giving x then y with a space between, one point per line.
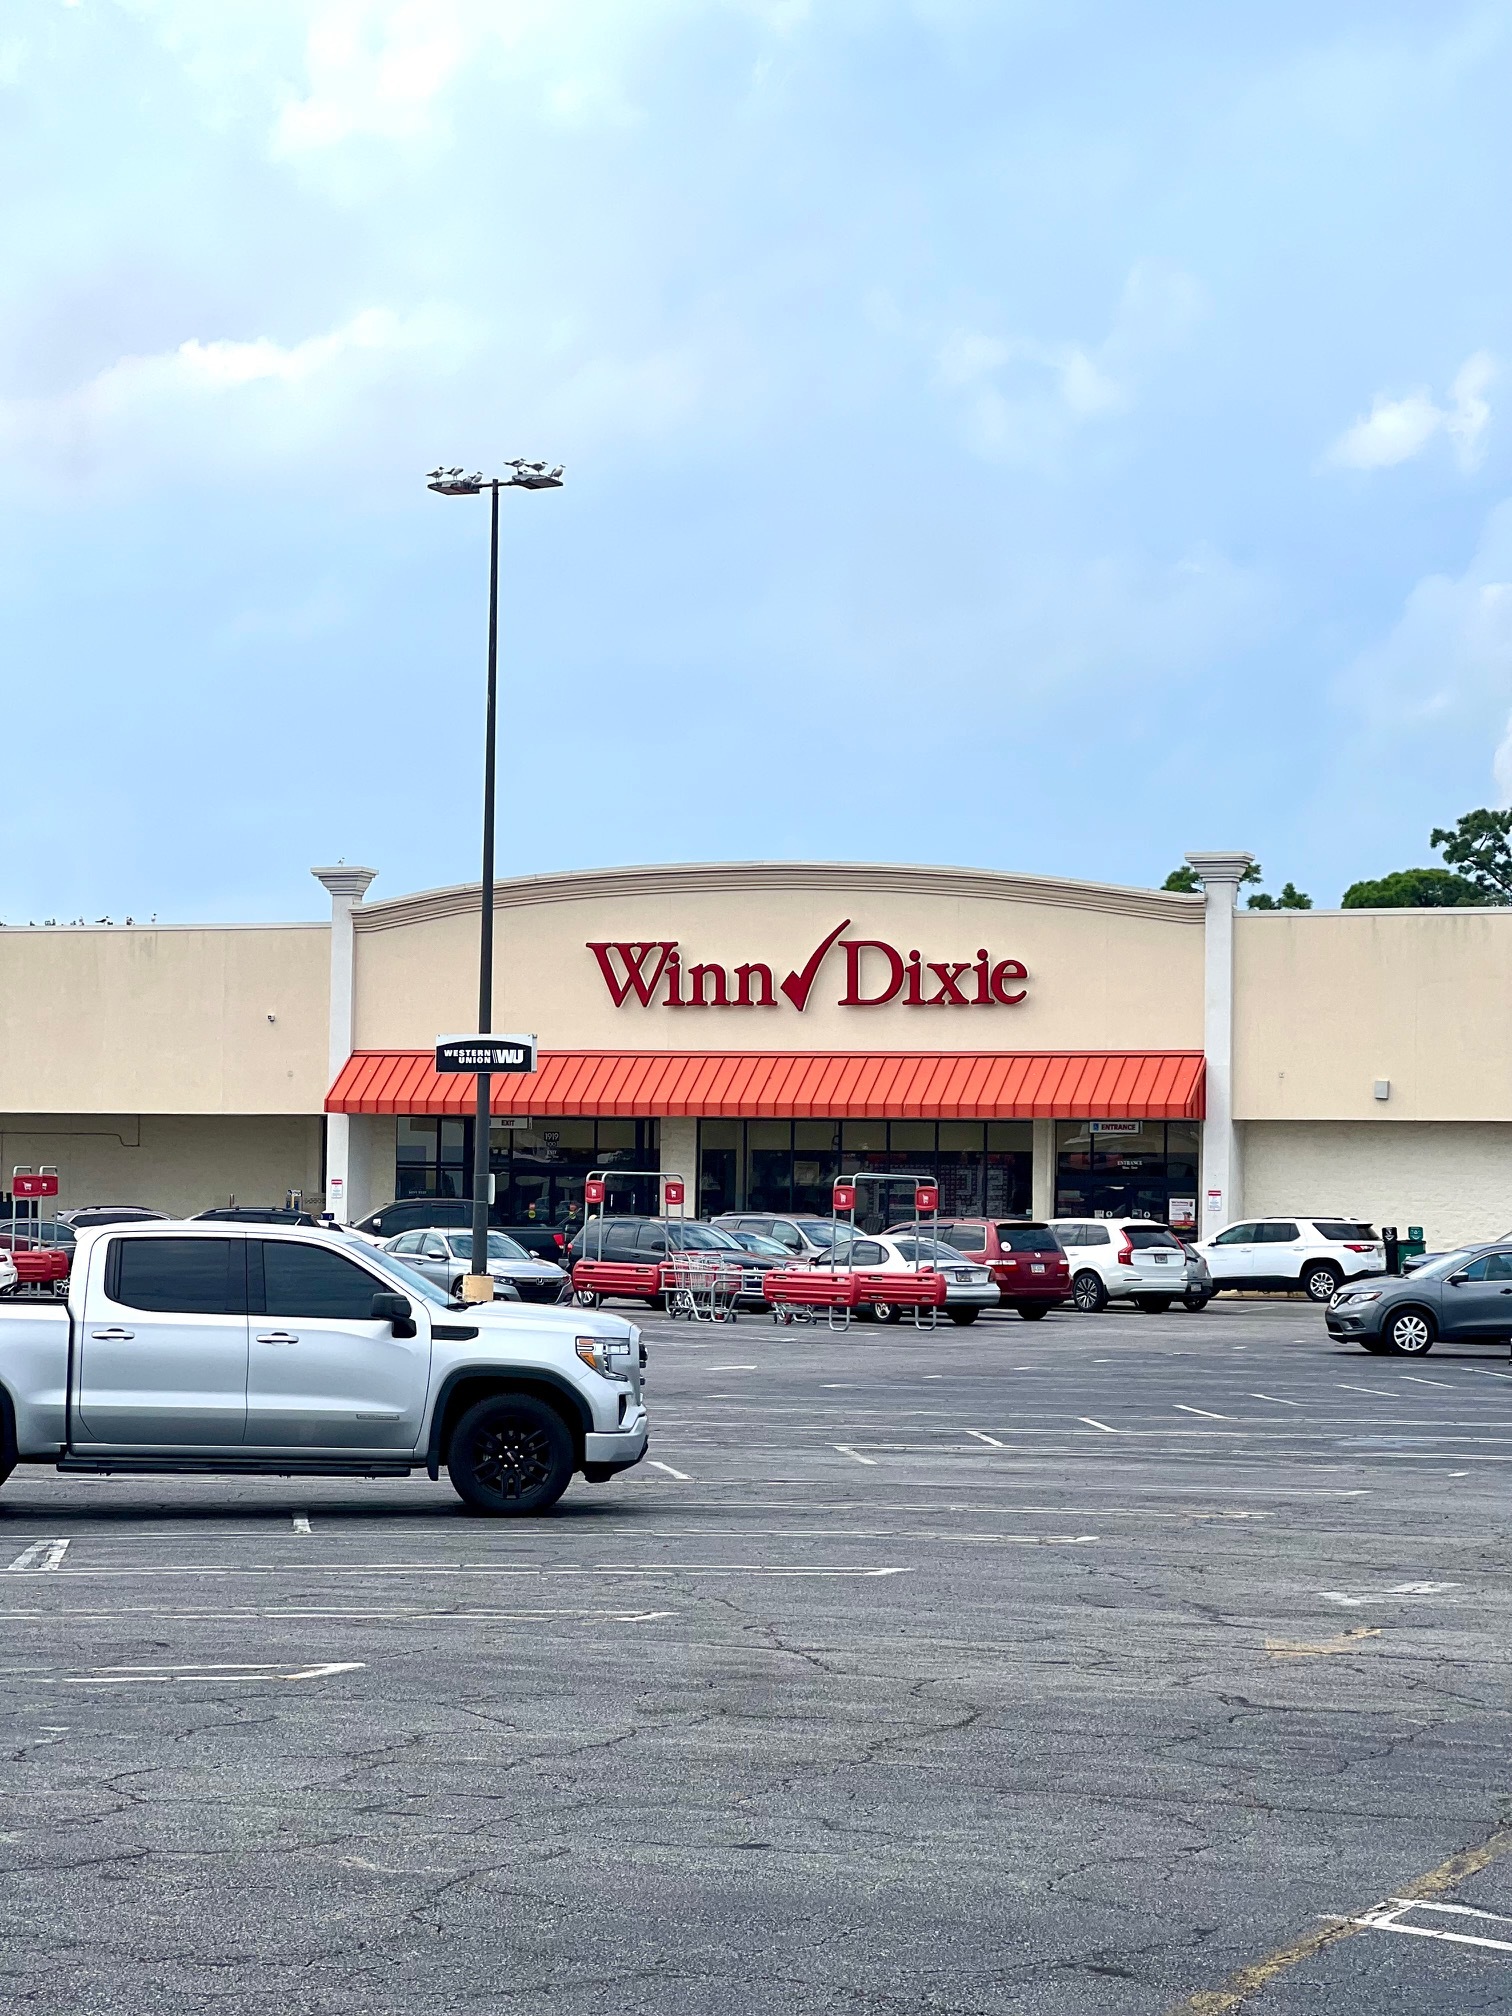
1464 1297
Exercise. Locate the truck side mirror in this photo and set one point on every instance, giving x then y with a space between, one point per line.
395 1309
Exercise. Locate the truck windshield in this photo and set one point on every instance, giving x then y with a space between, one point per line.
411 1282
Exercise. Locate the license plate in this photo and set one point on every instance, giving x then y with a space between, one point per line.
958 1273
1036 1266
1161 1259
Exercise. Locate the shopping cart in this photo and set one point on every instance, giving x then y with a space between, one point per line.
702 1286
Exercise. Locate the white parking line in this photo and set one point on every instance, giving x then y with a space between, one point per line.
991 1440
729 1368
1387 1918
301 1523
1353 1386
846 1450
681 1475
1087 1418
1275 1400
1182 1408
1417 1380
41 1556
137 1676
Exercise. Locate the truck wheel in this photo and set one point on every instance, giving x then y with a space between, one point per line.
1088 1292
1032 1312
510 1456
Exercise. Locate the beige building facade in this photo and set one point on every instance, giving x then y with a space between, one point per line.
1039 1045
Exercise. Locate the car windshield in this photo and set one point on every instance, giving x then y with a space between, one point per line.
411 1282
933 1250
753 1242
500 1246
820 1231
689 1238
1446 1263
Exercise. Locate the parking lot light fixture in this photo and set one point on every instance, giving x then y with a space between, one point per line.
478 1285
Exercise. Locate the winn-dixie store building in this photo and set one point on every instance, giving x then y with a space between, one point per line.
1040 1046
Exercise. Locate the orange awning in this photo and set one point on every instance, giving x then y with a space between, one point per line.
796 1085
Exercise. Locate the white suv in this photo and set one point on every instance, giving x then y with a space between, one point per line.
1130 1259
1316 1255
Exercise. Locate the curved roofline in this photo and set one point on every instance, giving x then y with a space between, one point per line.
735 877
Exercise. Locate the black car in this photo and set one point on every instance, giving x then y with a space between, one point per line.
415 1214
1464 1297
644 1240
257 1214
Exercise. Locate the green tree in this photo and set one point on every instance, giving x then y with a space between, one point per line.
1480 845
1291 898
1414 889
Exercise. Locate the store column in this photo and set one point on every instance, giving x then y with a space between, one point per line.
1221 1176
346 887
679 1157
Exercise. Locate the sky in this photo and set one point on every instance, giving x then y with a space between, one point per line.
1044 435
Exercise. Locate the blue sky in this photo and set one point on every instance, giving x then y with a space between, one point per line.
1039 436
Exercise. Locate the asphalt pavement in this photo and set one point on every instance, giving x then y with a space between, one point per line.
1108 1664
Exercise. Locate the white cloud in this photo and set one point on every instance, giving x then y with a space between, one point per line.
1395 430
1024 396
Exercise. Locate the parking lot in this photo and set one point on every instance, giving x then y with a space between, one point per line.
1108 1664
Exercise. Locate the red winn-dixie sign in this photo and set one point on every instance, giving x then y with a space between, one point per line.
654 973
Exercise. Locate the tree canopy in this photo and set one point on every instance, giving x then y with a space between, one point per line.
1414 889
1480 845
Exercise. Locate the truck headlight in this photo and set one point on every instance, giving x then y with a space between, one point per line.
599 1354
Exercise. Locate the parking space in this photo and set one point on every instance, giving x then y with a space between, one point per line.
1122 1663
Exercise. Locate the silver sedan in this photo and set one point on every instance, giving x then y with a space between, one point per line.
443 1254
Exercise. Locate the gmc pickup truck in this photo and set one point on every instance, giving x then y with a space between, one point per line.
207 1348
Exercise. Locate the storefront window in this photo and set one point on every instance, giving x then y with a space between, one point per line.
538 1171
772 1165
1125 1168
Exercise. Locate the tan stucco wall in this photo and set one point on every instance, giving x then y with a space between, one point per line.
164 1021
1326 1002
1100 978
171 1162
1455 1180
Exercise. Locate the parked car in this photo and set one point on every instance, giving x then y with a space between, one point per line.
443 1255
801 1237
769 1249
1023 1256
969 1288
1463 1297
1314 1254
642 1241
1198 1291
40 1263
376 1377
1122 1259
85 1217
257 1214
9 1273
418 1214
546 1242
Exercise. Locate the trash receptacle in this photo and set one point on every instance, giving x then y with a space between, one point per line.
1393 1247
1414 1246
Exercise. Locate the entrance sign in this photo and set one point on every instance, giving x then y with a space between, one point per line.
875 973
485 1053
1114 1126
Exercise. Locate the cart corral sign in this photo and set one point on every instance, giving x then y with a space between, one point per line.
654 973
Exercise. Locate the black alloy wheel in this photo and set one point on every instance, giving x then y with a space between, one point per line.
1088 1292
510 1456
1321 1281
1032 1312
1408 1333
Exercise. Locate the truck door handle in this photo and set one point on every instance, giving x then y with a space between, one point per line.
113 1336
277 1337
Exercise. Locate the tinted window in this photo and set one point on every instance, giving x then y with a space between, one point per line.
1236 1235
309 1281
693 1238
196 1277
1142 1237
1092 1235
762 1227
1027 1239
968 1238
1342 1228
928 1250
651 1239
1277 1234
867 1253
1490 1267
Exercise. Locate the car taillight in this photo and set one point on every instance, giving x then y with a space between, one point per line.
1351 1247
1009 1261
1126 1250
560 1238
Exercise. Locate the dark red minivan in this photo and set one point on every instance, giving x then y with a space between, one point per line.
1031 1271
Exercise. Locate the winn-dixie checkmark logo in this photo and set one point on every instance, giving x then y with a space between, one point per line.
876 973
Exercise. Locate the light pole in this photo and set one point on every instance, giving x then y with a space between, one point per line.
478 1286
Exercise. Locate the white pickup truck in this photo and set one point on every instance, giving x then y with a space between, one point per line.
190 1348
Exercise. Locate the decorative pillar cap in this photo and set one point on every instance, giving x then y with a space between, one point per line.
344 881
1225 866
